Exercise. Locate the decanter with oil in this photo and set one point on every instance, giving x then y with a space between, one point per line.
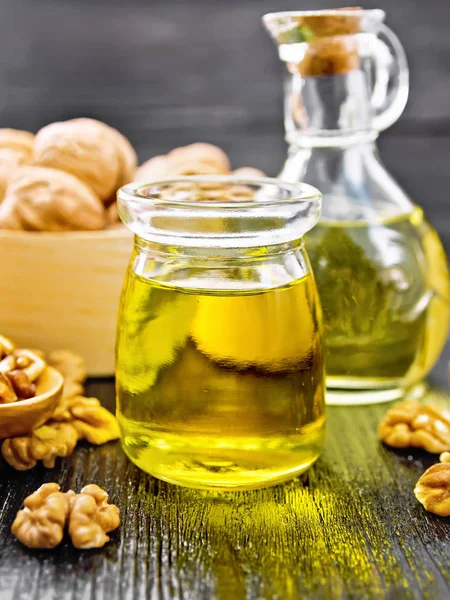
379 265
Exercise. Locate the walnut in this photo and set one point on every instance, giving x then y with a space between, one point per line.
7 392
40 524
112 215
26 360
92 421
205 154
433 489
127 159
10 161
45 199
248 173
153 169
81 149
410 425
195 159
18 140
44 444
91 150
91 518
21 384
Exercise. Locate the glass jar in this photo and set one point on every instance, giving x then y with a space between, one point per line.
380 268
220 378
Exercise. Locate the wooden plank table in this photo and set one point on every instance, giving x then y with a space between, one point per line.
349 528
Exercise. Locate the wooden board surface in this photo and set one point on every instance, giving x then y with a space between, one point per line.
350 528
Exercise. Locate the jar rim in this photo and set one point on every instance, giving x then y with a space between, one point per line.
201 211
296 192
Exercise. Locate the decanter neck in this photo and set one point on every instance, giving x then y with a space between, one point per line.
328 110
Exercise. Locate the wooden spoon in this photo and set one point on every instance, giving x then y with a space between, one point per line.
21 417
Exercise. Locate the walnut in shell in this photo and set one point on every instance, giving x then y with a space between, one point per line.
91 150
17 140
202 153
248 173
46 199
81 149
195 159
16 149
10 161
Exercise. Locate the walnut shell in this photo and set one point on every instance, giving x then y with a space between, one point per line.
153 169
81 147
201 153
195 159
10 160
248 173
45 199
112 215
20 141
126 155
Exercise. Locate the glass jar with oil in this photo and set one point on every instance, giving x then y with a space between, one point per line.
380 268
219 363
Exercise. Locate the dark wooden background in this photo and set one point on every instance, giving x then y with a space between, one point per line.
170 72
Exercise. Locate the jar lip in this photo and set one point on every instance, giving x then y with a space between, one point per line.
296 192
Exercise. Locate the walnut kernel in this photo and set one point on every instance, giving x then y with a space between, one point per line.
45 444
40 524
91 518
92 421
7 392
21 384
433 489
410 425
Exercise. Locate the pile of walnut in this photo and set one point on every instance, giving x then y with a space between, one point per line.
47 512
19 369
65 177
409 424
75 418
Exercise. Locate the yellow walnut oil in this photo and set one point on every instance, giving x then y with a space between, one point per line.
220 388
384 290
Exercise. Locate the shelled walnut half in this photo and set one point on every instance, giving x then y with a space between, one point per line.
433 489
92 518
40 524
410 425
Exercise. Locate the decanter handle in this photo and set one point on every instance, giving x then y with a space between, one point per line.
391 86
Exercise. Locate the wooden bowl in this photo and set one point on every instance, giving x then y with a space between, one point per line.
18 418
61 290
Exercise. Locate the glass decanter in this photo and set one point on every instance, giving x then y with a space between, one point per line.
380 267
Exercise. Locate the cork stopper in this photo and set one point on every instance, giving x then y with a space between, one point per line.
335 51
331 48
